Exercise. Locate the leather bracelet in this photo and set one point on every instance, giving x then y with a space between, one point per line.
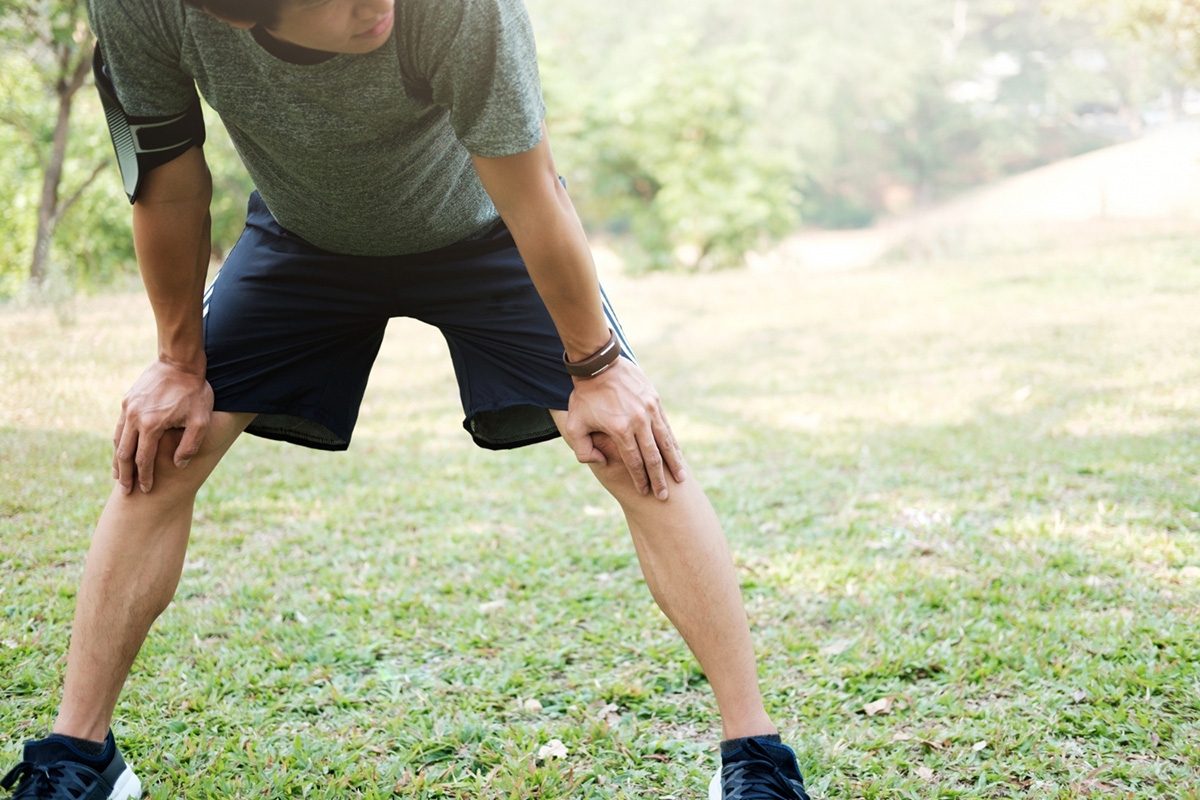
598 361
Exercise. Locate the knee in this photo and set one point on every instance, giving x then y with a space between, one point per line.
614 475
615 478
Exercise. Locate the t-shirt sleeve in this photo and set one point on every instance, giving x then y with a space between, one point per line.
141 42
479 61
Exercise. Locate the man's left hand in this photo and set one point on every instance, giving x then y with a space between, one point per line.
622 403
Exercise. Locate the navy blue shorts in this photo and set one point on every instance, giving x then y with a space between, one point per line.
291 332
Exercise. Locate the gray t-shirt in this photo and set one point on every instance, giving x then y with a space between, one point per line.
360 154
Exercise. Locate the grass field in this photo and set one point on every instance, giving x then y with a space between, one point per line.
964 499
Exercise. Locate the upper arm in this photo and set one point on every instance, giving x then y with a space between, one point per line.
184 178
150 103
171 220
524 187
479 61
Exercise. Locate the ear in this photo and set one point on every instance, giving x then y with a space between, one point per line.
240 24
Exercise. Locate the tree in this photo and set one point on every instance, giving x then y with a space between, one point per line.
673 156
1165 25
54 37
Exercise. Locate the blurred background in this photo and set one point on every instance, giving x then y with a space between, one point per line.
707 134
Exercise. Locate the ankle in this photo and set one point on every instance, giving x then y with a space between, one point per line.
88 747
754 725
72 729
61 747
731 746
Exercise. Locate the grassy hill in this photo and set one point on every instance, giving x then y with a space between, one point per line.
1151 184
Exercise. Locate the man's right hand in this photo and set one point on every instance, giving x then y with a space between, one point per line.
166 396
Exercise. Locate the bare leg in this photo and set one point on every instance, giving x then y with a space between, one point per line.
130 576
688 567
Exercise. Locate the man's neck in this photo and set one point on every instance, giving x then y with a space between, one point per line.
286 51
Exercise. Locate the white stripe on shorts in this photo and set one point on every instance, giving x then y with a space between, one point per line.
208 295
615 324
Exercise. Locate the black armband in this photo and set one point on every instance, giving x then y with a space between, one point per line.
143 143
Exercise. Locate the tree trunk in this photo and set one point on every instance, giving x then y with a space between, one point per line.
49 209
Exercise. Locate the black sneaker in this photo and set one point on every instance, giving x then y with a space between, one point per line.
758 770
54 769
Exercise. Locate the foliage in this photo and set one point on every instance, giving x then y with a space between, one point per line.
1171 26
18 203
93 242
962 495
672 156
697 128
44 61
874 107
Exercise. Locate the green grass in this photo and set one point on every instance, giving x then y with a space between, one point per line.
969 488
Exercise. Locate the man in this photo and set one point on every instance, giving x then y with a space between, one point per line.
402 168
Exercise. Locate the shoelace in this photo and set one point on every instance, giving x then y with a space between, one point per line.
759 777
38 786
40 780
756 779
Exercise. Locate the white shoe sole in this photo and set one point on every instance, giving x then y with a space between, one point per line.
714 788
128 787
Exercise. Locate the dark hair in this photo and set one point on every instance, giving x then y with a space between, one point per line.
260 12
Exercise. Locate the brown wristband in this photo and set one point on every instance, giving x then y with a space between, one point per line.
598 361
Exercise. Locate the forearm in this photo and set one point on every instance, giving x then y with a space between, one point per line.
551 240
171 232
556 254
619 402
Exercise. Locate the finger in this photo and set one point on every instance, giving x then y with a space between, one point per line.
604 443
585 449
652 460
126 450
146 452
117 443
668 445
189 445
593 456
631 454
